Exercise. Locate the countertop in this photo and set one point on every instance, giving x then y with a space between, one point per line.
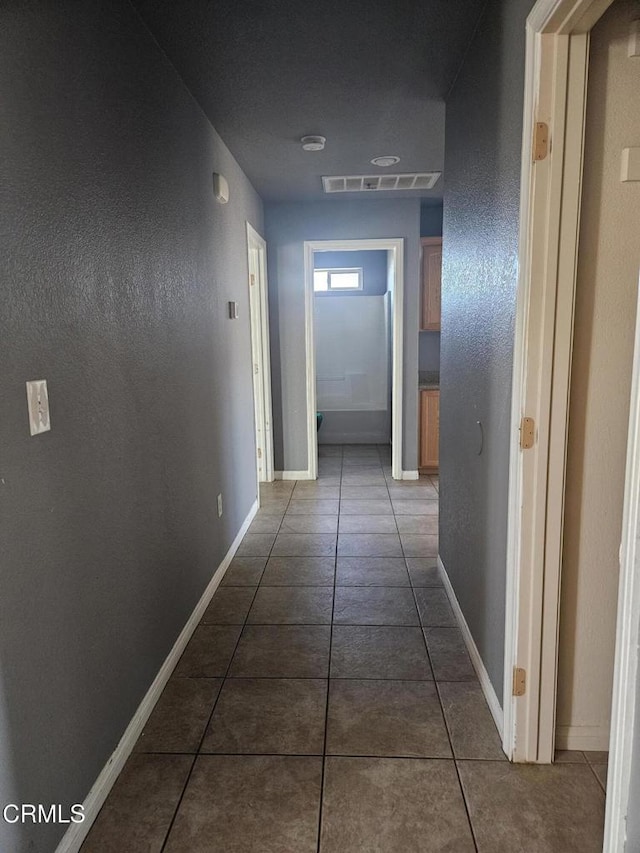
428 380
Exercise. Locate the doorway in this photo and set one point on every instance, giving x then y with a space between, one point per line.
394 249
260 358
547 358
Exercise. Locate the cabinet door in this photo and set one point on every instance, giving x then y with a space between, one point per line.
431 283
429 428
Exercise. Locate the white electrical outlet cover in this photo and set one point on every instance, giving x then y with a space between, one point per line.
630 166
38 402
634 39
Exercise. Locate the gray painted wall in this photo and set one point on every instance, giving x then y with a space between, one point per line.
287 227
431 219
480 241
429 351
374 271
116 268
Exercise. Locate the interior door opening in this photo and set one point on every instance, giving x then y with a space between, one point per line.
353 336
571 623
260 358
354 340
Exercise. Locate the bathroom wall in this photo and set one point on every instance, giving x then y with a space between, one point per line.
352 356
374 270
352 353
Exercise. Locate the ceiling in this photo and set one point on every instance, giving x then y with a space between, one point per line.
369 75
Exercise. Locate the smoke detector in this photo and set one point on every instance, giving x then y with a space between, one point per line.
386 160
313 143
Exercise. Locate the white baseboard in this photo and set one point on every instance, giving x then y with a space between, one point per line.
582 737
75 835
410 475
474 654
354 438
293 475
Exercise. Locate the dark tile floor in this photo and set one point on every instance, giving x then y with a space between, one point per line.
326 702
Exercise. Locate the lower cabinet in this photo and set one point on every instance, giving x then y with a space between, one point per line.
429 429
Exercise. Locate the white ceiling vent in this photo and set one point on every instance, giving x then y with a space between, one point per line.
373 183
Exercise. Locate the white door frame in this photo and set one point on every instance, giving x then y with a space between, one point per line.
395 248
260 354
557 42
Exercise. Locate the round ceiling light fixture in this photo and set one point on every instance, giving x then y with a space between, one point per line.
386 160
313 143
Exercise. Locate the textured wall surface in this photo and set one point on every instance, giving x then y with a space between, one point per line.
431 219
429 351
606 298
116 268
287 227
480 241
369 80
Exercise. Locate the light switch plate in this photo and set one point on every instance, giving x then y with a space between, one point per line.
630 166
233 310
634 39
38 402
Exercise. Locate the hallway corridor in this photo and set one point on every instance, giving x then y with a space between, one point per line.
326 702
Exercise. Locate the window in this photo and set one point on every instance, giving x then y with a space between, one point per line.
342 279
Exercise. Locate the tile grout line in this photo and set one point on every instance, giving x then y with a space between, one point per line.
326 711
334 755
444 717
598 780
335 677
215 704
227 677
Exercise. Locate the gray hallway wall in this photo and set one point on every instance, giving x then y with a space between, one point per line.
288 226
480 244
116 269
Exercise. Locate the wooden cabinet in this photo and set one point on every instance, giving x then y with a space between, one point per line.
431 278
429 428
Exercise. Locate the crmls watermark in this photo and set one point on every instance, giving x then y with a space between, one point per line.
37 813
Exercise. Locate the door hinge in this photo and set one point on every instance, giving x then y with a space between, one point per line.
259 453
527 433
519 681
252 279
540 141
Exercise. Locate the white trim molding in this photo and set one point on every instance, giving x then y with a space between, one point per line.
624 708
260 351
310 356
483 676
294 475
395 249
582 738
555 94
410 475
557 48
75 835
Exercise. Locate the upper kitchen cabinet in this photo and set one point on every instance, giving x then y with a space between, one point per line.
431 281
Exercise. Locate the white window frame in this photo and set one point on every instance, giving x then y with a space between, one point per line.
337 270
